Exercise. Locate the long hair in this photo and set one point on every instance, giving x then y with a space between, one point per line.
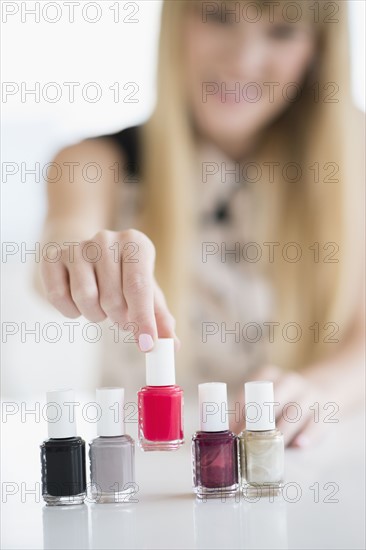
321 212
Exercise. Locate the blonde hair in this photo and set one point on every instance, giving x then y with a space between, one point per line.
305 212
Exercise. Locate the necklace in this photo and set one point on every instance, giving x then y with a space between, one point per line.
221 214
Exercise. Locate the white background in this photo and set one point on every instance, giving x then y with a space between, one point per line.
167 515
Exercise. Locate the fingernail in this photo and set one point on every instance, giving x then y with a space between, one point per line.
301 441
177 343
146 343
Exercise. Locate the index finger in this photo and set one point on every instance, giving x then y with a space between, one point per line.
138 287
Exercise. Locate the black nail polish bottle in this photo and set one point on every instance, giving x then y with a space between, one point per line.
63 454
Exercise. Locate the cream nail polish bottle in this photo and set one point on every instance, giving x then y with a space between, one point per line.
261 445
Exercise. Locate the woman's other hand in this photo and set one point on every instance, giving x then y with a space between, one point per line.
300 412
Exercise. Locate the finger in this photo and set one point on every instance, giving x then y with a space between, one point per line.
84 288
138 288
294 417
109 281
267 372
286 389
310 434
236 422
56 284
165 321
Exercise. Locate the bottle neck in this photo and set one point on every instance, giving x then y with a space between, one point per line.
110 436
215 431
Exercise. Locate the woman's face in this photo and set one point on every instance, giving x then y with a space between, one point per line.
241 74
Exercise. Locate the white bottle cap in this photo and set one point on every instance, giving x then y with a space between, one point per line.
213 413
160 369
60 414
259 406
111 402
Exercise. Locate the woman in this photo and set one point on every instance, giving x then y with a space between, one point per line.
238 207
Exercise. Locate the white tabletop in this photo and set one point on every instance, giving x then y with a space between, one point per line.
322 507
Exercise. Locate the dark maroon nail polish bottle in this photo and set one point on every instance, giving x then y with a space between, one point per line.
214 447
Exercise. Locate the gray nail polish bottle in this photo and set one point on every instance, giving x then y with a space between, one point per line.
112 454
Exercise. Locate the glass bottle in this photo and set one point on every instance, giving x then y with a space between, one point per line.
160 402
63 454
261 445
112 454
214 447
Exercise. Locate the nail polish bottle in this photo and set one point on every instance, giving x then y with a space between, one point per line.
214 447
112 454
160 402
63 454
261 445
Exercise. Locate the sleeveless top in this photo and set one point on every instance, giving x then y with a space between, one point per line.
229 302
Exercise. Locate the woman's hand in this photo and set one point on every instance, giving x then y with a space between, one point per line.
111 275
300 412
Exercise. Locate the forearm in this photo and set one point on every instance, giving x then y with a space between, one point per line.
77 208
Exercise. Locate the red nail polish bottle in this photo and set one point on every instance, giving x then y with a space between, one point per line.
160 402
